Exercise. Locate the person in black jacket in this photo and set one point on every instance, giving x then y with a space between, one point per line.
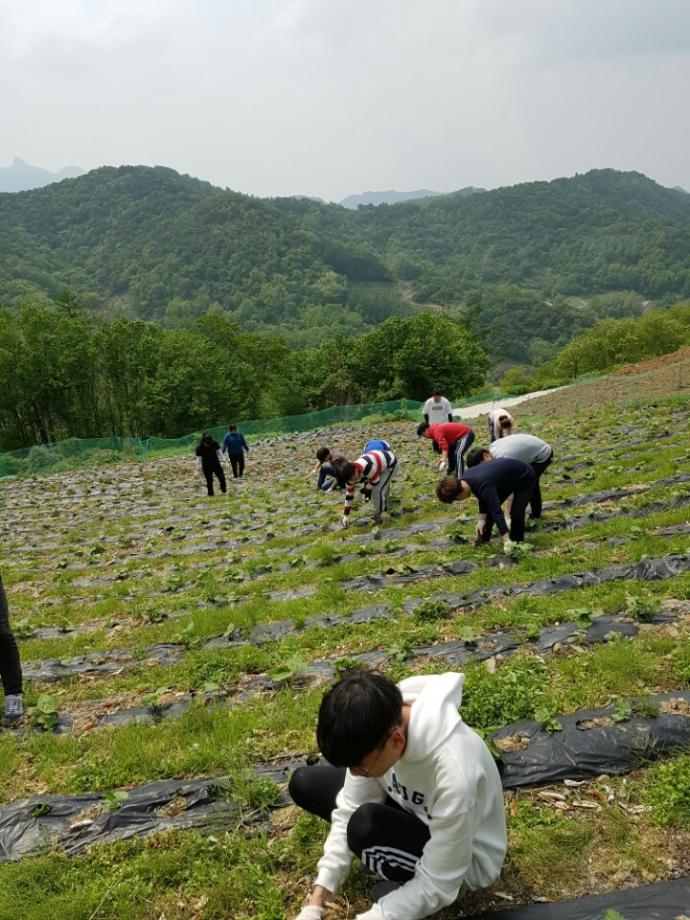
10 667
208 457
492 483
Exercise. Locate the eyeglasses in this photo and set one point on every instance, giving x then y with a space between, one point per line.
367 774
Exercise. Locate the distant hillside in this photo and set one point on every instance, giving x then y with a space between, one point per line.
21 177
393 197
390 197
530 265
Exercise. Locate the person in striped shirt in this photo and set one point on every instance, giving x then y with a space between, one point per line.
373 471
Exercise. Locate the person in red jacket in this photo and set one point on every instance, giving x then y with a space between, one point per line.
451 440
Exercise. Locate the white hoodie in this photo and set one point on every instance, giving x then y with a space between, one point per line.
448 779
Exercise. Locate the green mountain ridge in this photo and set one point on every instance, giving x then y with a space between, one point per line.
152 243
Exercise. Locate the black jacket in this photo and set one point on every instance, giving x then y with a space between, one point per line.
492 482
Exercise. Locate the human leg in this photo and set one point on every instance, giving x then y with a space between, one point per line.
234 463
221 477
521 497
241 465
461 448
535 504
315 788
381 491
208 476
388 840
10 666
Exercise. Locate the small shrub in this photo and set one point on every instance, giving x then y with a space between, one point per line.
669 793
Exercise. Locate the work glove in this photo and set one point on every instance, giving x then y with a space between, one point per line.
346 520
508 547
310 912
375 912
443 466
480 527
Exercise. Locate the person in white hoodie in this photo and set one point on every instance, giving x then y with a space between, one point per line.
409 789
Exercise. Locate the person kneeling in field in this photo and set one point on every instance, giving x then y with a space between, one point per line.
492 483
373 471
526 447
409 789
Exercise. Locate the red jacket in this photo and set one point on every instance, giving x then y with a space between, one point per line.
447 434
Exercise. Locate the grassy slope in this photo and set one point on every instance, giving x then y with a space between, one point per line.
127 529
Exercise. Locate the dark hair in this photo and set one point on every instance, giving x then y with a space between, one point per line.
475 456
356 716
322 453
233 428
207 436
505 421
421 428
344 471
448 489
437 391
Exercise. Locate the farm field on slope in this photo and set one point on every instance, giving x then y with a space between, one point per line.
175 637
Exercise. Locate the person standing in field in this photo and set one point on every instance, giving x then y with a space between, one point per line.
491 484
526 447
451 440
235 446
500 424
437 408
10 665
374 471
409 789
208 457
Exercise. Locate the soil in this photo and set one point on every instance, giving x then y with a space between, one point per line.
667 375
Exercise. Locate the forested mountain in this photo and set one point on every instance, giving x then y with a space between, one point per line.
529 266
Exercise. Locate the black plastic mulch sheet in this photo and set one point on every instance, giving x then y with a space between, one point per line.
592 743
72 823
663 901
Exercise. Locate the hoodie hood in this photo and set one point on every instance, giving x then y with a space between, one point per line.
434 713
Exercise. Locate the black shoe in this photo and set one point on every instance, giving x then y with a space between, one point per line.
382 888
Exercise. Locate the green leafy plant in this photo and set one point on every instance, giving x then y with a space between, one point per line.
112 800
344 665
642 607
41 809
456 532
431 610
400 651
547 719
45 713
290 668
623 710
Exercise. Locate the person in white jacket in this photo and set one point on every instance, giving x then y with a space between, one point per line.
409 789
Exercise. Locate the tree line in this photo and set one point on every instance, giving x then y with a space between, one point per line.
65 372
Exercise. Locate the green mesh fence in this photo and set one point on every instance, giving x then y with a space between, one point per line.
50 458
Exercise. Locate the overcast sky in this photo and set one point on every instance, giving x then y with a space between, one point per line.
333 97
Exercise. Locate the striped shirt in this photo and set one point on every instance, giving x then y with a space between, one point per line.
369 468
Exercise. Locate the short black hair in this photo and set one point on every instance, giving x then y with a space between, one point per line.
356 716
437 391
322 453
476 455
232 428
344 471
421 428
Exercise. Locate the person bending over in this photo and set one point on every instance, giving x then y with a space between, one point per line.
451 440
325 459
376 444
235 446
208 457
437 408
409 789
10 666
373 471
526 447
492 483
500 423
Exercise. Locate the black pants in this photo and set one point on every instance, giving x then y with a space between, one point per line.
237 464
210 472
10 667
535 501
387 839
456 455
521 498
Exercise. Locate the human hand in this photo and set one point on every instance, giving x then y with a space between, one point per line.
375 912
443 466
310 912
346 520
508 546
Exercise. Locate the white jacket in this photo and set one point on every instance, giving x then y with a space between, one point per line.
448 779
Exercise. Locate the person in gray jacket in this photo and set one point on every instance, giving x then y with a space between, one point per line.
526 447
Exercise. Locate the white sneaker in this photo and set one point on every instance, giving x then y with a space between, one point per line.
14 708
